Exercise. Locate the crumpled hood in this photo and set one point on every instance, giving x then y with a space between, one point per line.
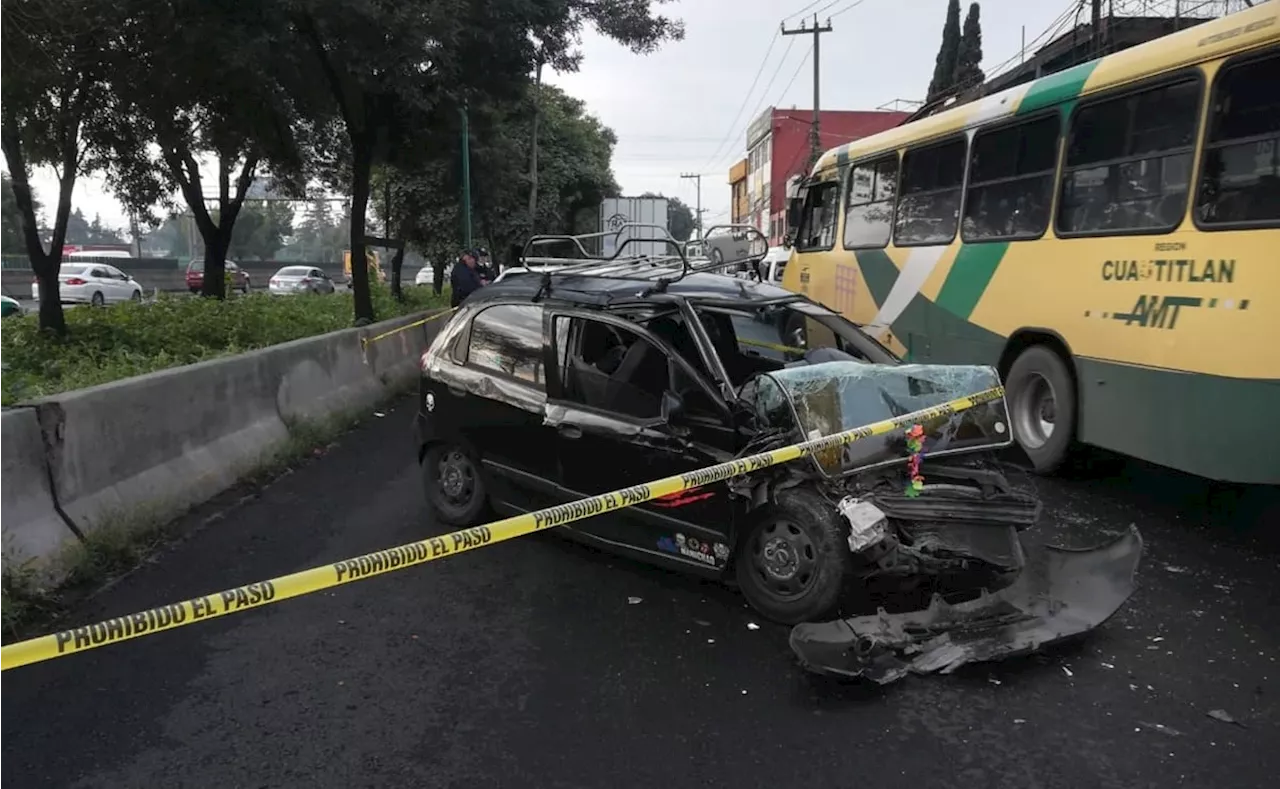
823 399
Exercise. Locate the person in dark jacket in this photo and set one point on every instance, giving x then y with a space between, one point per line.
465 279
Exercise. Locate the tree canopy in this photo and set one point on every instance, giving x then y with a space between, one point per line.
959 63
331 95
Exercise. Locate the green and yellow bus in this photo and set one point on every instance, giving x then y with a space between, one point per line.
1107 236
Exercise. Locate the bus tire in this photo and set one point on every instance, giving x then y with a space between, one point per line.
1042 406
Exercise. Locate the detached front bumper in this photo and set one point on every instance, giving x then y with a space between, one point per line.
1061 593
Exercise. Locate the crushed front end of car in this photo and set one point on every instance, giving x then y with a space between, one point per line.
930 512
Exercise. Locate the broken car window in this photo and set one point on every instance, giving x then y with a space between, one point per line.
767 338
833 397
612 369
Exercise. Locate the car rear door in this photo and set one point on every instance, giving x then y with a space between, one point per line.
488 392
611 433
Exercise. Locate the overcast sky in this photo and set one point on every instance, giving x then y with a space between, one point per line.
686 107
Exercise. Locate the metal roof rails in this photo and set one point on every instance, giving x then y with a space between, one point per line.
661 270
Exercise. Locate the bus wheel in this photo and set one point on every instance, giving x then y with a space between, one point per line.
1042 406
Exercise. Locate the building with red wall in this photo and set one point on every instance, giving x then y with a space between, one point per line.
778 155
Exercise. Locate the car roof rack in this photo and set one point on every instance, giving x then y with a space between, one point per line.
659 270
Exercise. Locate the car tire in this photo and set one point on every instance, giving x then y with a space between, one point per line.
794 562
97 299
136 297
1042 407
454 487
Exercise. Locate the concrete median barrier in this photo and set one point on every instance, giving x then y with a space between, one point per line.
31 525
160 443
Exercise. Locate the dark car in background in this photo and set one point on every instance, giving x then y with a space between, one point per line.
239 277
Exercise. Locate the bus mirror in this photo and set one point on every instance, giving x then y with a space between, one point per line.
795 206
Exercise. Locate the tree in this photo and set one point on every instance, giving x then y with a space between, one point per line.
174 108
944 69
395 67
53 93
260 230
577 150
11 219
629 22
969 57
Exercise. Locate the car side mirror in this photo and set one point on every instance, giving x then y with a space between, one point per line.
672 406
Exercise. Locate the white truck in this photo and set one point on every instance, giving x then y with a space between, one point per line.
615 212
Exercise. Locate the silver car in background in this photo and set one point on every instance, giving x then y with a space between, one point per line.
291 280
92 283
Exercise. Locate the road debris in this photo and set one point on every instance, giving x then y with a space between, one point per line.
634 600
1160 727
752 626
1067 671
1224 716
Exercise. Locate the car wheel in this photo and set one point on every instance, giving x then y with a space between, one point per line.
454 487
1042 406
794 561
97 299
136 297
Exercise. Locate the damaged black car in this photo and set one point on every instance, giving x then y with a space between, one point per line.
591 375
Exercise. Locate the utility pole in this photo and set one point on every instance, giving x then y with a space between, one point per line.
815 141
1097 28
697 216
466 177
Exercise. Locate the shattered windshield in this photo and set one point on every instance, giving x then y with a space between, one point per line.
833 397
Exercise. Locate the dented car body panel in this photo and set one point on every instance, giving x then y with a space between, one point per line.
560 393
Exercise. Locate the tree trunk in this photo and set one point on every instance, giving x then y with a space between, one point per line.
361 169
533 149
44 265
215 269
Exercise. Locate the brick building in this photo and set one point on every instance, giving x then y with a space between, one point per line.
778 157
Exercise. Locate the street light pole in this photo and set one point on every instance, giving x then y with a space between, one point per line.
466 177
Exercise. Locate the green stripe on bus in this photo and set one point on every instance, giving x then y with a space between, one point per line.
878 271
969 276
1056 88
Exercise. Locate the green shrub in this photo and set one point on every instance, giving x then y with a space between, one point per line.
130 339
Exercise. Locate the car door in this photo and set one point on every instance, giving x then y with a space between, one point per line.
121 285
101 282
490 393
612 432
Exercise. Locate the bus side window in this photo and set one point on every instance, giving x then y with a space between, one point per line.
818 222
1011 181
1240 174
1129 162
868 215
929 202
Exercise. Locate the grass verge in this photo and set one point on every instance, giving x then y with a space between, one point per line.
125 340
125 540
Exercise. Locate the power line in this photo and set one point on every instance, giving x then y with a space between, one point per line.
796 74
849 7
795 14
719 160
763 62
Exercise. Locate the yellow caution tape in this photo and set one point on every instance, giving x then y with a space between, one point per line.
255 595
365 342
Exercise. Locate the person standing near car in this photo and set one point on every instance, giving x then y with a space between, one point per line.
465 279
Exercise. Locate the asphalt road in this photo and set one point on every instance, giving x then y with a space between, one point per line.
524 664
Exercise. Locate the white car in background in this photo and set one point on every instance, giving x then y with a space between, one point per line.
92 283
299 279
424 276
